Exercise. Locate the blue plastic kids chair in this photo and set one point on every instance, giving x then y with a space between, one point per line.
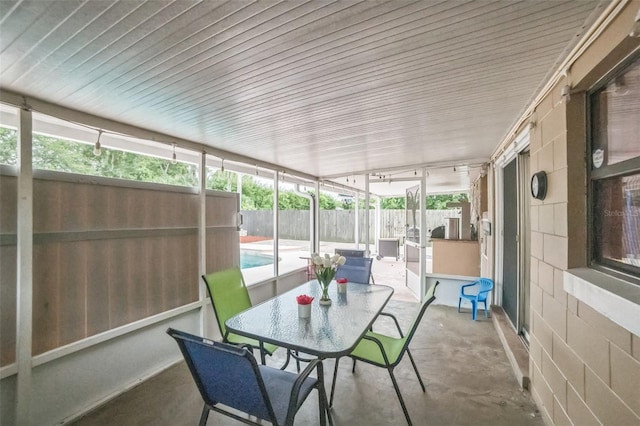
485 286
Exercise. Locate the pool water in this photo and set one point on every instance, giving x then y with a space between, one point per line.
249 259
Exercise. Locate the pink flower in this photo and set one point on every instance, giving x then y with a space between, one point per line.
303 299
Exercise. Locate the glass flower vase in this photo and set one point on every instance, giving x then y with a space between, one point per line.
324 280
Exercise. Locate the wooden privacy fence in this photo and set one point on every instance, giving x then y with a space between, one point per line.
107 252
335 225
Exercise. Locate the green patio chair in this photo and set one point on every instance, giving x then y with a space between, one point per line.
387 352
229 296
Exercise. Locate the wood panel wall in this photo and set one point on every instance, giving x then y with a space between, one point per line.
222 242
106 255
8 223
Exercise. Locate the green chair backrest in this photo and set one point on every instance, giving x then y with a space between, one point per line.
228 293
429 297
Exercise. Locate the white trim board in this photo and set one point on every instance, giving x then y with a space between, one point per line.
614 298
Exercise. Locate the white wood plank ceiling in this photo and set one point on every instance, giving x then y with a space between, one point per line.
331 88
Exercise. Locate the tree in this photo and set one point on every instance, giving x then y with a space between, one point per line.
327 202
50 153
434 202
222 181
392 203
289 200
439 202
8 146
256 196
61 155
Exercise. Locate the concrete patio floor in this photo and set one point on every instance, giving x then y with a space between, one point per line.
468 378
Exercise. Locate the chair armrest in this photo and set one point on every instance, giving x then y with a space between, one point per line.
386 314
295 390
296 355
467 285
379 343
307 371
480 293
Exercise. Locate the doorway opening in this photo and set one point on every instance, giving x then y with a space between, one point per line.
513 251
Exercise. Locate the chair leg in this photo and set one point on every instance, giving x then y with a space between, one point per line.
474 307
415 368
333 382
321 408
353 369
204 416
263 359
404 407
322 399
325 413
486 314
459 302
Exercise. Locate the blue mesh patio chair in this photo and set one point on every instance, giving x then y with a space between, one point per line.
229 376
349 252
387 351
356 269
484 285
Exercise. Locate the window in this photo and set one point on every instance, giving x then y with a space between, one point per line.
62 146
8 236
294 235
257 233
8 135
615 171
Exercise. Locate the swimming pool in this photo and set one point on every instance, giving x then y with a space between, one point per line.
252 259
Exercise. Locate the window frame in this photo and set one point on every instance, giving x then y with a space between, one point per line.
627 167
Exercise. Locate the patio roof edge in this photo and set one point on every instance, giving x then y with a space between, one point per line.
19 100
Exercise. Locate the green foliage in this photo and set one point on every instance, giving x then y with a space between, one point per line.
434 202
8 146
327 202
73 157
289 200
348 204
439 202
222 181
259 196
64 156
394 203
256 196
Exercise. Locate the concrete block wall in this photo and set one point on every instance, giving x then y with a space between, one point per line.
584 368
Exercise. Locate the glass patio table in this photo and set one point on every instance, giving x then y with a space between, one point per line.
331 331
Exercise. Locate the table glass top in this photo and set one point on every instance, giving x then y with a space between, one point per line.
331 331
